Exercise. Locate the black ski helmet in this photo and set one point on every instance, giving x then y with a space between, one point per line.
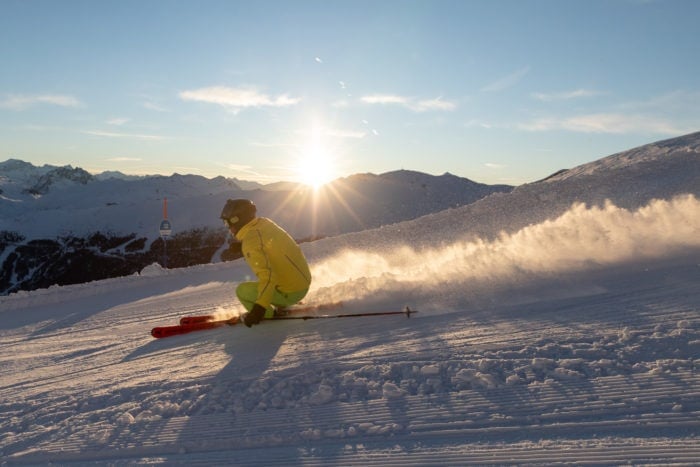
238 212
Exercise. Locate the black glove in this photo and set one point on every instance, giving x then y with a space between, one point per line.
254 316
234 251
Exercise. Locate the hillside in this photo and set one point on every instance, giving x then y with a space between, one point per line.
553 328
630 180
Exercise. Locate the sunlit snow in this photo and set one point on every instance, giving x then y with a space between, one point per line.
554 336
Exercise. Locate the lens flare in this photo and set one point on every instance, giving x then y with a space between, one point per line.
316 165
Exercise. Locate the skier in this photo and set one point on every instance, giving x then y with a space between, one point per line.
275 258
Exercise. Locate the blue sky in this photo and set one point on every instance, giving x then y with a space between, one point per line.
495 91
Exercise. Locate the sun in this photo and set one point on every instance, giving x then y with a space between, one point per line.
316 165
315 170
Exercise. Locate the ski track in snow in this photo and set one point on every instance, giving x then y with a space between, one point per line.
602 378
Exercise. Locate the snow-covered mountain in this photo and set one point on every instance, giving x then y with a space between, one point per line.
553 328
61 225
630 179
73 202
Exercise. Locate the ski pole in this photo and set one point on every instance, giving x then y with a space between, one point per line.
408 312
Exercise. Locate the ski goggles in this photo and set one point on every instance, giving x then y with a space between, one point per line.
231 221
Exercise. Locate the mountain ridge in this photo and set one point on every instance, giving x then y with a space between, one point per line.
683 145
70 226
24 189
110 234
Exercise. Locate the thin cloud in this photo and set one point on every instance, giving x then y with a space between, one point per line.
249 173
117 121
557 96
611 123
21 102
475 123
672 113
188 169
433 104
109 134
507 81
150 102
237 98
239 167
619 123
384 99
425 105
124 159
676 102
153 106
262 144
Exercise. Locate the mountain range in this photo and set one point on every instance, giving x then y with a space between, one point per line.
62 225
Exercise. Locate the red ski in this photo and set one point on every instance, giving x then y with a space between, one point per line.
200 322
167 331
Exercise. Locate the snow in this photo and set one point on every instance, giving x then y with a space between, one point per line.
572 340
568 335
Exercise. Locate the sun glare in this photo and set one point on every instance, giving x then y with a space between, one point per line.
315 170
316 167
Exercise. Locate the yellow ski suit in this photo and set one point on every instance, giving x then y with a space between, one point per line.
277 261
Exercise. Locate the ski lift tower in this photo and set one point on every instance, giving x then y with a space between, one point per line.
165 230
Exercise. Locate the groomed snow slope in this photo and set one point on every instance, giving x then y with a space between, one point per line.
575 340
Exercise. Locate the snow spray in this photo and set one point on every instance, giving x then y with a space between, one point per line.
583 238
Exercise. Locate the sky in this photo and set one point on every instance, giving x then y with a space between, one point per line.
495 91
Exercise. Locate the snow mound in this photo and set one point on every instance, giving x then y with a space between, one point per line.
153 270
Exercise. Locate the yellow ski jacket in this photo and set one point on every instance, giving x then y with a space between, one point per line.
275 258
